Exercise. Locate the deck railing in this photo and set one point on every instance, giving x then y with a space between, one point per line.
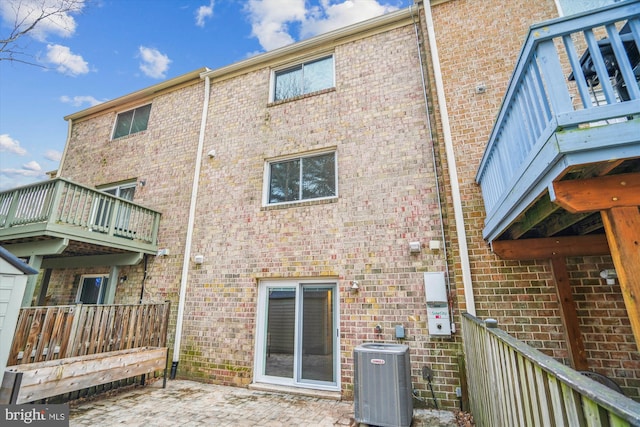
513 384
60 202
555 86
56 332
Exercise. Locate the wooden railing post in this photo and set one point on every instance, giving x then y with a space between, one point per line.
165 326
73 331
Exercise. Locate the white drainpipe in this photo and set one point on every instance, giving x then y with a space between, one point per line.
451 163
187 246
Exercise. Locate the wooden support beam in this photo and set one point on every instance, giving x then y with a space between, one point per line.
559 223
53 246
540 211
129 258
569 315
623 232
550 247
597 194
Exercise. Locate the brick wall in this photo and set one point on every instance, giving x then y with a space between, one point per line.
478 44
163 156
375 119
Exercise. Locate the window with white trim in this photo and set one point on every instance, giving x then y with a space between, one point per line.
301 178
132 121
92 288
104 206
308 77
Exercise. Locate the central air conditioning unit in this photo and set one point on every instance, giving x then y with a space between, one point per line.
382 385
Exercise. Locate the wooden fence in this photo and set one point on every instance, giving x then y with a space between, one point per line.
513 384
56 332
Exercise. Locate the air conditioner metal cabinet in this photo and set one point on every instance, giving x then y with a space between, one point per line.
382 385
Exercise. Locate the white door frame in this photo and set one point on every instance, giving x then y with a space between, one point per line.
261 335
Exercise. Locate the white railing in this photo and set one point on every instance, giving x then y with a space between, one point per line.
513 384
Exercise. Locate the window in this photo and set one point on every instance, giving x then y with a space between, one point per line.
302 178
304 78
297 334
92 288
103 208
132 121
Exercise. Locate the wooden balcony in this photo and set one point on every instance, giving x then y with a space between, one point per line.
571 112
60 220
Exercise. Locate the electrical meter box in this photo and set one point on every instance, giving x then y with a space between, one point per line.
435 288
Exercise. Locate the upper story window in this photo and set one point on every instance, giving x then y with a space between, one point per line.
304 78
302 178
132 121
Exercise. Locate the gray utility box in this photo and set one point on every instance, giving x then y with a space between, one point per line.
382 385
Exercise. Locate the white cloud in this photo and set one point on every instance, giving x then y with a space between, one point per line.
79 101
273 21
53 155
270 20
204 12
154 64
327 16
11 145
26 12
31 169
65 61
32 166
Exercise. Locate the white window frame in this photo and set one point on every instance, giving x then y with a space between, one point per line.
275 71
103 287
261 335
267 176
100 204
118 188
115 123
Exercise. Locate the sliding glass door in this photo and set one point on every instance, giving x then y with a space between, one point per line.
297 337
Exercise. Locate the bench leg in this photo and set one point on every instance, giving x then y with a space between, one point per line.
16 388
164 380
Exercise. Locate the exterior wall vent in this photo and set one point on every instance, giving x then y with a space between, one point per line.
382 385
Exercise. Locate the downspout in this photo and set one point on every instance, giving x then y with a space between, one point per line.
144 277
451 163
191 220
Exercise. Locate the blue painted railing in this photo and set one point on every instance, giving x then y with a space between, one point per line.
578 72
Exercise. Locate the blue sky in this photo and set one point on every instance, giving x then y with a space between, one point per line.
115 47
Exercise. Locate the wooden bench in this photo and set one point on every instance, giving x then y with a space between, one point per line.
34 381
